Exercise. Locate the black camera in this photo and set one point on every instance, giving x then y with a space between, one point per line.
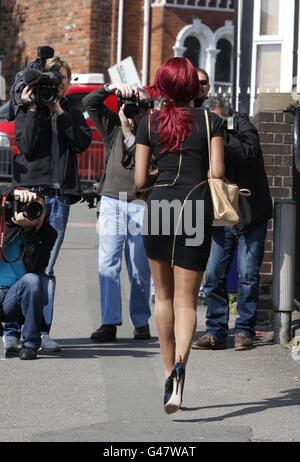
230 123
44 83
32 210
133 105
89 195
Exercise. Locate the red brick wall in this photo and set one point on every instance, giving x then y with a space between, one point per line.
26 25
276 136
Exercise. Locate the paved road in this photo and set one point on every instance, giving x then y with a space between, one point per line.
113 392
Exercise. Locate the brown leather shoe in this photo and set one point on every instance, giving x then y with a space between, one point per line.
243 342
208 342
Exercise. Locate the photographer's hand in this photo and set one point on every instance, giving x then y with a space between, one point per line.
127 90
26 96
56 108
126 124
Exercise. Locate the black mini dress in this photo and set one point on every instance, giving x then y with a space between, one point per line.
178 214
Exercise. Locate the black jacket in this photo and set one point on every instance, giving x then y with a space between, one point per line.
33 165
244 165
38 246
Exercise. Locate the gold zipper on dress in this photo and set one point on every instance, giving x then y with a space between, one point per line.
181 210
177 175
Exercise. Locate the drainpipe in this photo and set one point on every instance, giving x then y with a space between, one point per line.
283 268
237 54
120 30
146 42
296 45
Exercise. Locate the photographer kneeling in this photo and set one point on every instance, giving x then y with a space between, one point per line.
24 255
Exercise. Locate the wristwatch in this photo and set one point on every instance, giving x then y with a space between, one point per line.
107 89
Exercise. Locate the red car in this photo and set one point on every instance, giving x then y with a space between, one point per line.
90 162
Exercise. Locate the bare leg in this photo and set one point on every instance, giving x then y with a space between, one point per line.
187 284
163 280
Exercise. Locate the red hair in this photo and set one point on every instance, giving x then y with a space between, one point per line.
177 81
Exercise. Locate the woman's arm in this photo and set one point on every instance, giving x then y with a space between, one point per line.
141 176
217 157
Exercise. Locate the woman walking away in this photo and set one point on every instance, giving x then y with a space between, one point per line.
177 233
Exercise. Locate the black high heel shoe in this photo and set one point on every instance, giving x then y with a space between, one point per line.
178 376
168 389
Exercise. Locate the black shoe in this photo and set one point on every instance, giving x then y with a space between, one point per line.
142 333
27 353
105 333
168 389
178 376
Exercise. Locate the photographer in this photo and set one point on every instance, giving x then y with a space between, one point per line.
244 166
25 254
117 213
47 164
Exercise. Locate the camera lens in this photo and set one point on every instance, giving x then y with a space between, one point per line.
131 109
33 210
47 94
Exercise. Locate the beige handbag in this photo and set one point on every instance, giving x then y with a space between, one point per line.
224 195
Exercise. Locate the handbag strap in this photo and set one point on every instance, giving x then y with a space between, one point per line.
208 140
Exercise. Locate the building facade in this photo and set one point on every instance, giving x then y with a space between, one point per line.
93 35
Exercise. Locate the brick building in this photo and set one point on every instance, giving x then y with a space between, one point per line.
94 34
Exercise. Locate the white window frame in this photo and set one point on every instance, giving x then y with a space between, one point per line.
284 38
208 40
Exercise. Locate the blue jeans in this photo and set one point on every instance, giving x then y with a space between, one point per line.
24 298
120 225
57 216
250 252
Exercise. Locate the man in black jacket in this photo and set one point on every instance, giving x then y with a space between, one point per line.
24 256
47 164
244 166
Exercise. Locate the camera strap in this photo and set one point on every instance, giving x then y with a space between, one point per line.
3 231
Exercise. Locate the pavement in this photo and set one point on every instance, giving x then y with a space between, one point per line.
92 392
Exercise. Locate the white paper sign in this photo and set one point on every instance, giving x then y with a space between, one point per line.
125 72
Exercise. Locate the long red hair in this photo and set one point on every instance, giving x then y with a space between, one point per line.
177 81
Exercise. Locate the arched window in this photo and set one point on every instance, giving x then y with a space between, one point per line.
223 62
193 50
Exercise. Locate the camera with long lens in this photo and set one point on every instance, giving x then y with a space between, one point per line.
133 105
31 210
44 83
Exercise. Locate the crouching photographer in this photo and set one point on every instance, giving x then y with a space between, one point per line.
244 166
26 242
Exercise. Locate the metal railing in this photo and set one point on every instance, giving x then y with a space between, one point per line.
90 162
